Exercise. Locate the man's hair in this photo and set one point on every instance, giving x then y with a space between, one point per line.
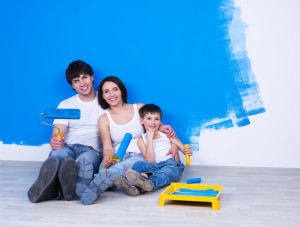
150 108
76 68
121 86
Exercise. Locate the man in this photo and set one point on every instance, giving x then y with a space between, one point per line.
80 141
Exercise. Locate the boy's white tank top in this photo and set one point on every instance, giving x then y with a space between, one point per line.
161 147
117 132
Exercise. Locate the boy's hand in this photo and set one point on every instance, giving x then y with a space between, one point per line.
167 129
150 134
56 143
188 150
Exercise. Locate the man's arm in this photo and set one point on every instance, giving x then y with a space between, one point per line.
55 142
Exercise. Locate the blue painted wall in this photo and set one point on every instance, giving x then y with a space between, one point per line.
176 54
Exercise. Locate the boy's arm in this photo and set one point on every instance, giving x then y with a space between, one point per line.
188 150
55 142
147 150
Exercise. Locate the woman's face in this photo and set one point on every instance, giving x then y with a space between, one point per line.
111 93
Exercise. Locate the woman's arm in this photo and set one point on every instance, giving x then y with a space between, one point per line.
168 130
139 105
108 151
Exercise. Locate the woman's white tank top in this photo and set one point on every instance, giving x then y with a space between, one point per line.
117 132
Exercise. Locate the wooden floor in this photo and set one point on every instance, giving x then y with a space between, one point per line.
251 197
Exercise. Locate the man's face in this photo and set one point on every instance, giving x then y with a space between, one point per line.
151 121
83 84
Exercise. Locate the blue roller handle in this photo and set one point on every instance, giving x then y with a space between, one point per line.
193 180
123 147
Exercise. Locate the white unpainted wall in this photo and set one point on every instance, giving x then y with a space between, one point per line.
272 138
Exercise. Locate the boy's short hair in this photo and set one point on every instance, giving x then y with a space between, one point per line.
76 68
150 108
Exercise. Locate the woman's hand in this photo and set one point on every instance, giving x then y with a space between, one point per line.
106 162
174 152
167 129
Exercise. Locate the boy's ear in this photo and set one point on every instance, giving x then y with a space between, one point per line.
141 121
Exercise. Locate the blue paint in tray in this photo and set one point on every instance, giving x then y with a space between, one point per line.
192 192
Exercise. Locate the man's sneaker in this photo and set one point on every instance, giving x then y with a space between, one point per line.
46 185
67 174
123 183
138 180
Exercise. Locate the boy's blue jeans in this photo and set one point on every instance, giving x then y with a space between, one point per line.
77 151
162 173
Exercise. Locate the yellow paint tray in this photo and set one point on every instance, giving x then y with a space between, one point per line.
174 187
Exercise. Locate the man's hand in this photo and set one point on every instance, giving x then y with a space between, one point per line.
175 154
167 129
56 143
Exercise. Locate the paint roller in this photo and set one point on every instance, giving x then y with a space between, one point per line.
122 149
188 163
59 114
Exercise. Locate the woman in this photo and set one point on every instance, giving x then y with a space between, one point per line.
121 118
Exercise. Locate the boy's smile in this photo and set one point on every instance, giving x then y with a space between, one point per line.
151 121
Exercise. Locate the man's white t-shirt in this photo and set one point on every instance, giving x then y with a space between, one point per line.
84 130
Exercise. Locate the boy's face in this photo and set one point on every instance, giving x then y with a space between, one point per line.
83 84
151 121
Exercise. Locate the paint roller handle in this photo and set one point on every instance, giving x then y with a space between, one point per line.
187 157
59 134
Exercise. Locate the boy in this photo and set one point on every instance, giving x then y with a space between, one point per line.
159 170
